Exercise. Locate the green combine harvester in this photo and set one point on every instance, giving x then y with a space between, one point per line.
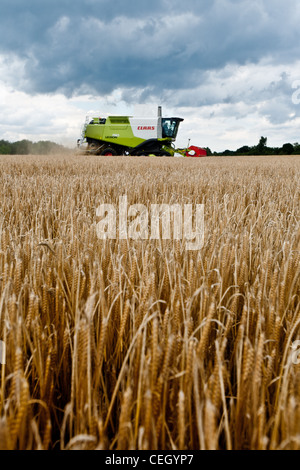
136 136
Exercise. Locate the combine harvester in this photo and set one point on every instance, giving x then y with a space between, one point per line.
137 136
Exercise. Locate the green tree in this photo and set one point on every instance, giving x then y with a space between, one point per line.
262 145
243 150
5 147
287 149
296 148
22 147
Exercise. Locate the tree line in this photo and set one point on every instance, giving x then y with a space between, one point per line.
260 149
26 147
46 147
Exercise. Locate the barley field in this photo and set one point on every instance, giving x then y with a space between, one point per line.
142 344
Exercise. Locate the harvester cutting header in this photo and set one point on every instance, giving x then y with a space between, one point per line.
127 135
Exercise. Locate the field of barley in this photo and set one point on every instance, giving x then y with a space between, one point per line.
142 344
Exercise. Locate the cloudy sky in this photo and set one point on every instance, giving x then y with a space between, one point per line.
230 68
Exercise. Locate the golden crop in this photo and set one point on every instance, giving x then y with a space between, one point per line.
127 344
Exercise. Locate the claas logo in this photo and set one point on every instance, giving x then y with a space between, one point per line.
146 128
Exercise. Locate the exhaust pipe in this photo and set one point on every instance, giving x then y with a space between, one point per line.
159 122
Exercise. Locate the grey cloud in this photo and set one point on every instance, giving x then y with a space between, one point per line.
100 45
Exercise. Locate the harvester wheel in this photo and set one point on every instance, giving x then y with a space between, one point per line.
108 151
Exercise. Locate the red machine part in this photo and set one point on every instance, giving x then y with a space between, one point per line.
194 151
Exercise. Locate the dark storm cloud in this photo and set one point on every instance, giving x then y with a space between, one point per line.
95 46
